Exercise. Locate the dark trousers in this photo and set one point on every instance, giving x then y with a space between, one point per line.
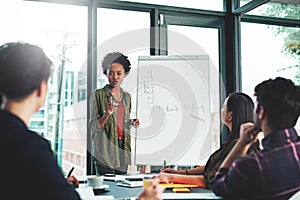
101 170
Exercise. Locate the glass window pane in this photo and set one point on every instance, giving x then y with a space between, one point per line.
243 2
61 30
216 5
279 10
186 40
268 54
129 33
121 34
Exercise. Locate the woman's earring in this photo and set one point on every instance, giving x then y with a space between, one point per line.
2 101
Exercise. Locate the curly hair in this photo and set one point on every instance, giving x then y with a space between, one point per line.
116 57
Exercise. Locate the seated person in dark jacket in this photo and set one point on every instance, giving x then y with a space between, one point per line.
28 169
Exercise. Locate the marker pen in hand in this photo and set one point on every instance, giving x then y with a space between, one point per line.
70 172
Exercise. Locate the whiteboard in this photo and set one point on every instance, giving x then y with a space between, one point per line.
173 105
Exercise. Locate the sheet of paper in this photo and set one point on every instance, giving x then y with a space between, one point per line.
131 184
104 197
190 196
122 177
85 193
113 178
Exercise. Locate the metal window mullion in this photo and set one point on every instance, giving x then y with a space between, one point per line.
91 73
154 32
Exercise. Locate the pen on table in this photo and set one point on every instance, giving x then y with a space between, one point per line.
70 172
126 182
164 164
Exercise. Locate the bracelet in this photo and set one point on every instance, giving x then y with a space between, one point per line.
186 172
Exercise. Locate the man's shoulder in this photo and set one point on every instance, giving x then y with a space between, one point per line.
272 157
249 158
249 161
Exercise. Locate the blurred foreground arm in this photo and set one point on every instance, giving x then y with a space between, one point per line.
151 192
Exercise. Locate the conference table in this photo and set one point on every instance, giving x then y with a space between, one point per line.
114 191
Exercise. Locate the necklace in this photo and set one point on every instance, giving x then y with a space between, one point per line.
117 99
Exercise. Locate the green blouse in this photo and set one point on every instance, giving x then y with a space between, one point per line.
105 140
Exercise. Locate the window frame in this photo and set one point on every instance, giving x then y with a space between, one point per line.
228 23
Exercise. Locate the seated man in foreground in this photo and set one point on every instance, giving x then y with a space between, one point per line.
275 172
